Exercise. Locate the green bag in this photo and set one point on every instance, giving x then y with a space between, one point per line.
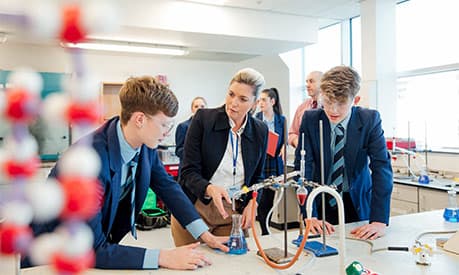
151 216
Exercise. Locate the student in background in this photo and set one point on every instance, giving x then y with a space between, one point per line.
356 159
313 89
130 165
197 103
271 114
225 149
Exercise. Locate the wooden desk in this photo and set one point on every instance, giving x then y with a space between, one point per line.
403 231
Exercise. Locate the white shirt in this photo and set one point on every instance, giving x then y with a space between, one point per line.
223 176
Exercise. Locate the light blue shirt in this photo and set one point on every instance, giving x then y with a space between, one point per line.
196 227
344 123
269 123
127 153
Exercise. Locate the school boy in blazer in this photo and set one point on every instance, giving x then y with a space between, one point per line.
366 180
147 108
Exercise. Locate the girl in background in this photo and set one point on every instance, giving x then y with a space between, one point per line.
271 114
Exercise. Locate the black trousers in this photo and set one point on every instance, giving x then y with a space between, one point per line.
266 203
331 209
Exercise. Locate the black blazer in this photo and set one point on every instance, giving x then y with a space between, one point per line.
205 145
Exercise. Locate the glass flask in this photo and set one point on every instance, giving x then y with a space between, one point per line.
423 176
451 213
237 243
301 194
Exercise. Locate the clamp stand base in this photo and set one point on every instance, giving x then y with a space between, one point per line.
277 255
319 250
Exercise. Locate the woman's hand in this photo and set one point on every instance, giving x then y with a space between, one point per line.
214 241
218 194
183 257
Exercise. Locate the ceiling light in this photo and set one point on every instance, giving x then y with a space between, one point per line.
131 47
212 2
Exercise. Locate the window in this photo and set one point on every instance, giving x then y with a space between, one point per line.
296 68
428 71
322 56
326 53
356 45
426 38
439 94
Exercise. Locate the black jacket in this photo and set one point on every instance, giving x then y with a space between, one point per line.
205 146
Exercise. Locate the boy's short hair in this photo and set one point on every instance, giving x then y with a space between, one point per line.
250 77
146 94
340 83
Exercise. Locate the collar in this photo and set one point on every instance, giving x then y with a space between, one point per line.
127 152
241 130
343 123
265 119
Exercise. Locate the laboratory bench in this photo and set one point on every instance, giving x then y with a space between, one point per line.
402 232
410 196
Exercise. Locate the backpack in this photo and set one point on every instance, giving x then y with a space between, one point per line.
151 216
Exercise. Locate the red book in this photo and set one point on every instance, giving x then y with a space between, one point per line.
273 138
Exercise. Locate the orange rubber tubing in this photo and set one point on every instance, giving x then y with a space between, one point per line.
268 261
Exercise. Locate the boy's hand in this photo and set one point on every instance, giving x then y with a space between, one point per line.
183 257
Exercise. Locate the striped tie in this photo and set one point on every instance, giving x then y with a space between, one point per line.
338 158
130 185
314 104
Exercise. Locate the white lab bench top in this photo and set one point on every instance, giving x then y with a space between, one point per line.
403 230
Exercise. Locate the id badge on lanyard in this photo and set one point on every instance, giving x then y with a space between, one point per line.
235 150
232 190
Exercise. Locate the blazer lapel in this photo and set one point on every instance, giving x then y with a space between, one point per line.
220 138
353 134
248 158
142 175
327 144
114 158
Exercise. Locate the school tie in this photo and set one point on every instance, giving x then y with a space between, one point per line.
128 186
338 158
314 104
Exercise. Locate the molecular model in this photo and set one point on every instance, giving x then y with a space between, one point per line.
75 196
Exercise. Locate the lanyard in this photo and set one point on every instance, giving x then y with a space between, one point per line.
235 152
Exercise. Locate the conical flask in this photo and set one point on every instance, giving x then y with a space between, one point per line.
237 244
451 213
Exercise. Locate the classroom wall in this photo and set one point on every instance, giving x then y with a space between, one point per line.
187 78
276 75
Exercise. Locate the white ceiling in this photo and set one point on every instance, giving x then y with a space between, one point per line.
326 11
238 30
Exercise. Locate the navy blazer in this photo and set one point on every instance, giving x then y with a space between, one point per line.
279 124
206 143
150 173
180 134
367 161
